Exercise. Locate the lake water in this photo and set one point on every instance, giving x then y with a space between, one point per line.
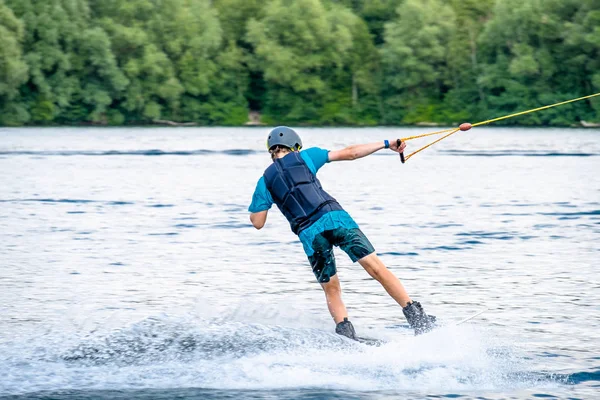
129 268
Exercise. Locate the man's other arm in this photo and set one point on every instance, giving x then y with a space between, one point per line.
258 219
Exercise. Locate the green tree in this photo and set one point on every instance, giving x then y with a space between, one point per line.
51 28
415 61
174 56
466 97
72 74
376 13
305 51
364 68
582 36
234 16
13 69
529 63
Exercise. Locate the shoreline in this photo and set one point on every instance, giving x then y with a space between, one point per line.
188 125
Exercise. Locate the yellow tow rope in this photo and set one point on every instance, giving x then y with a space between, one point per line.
466 126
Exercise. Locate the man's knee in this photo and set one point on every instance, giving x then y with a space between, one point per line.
332 288
373 265
333 292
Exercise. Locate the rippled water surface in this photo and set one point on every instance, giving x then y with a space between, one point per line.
129 269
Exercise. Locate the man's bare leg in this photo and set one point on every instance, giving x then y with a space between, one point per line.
414 313
378 271
333 294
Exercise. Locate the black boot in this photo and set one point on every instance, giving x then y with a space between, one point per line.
345 328
417 319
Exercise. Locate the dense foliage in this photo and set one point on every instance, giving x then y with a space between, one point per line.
344 62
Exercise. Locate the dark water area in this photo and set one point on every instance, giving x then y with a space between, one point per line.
129 268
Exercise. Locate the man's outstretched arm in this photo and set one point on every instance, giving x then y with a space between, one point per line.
362 150
258 219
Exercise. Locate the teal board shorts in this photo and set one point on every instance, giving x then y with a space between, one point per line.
336 228
352 241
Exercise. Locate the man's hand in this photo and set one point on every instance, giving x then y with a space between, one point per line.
394 146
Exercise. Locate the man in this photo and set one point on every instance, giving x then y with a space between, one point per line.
321 222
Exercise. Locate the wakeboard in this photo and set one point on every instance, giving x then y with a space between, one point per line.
462 321
370 341
379 342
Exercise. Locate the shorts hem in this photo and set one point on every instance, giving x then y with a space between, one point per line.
358 259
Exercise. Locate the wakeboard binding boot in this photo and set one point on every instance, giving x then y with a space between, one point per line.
345 328
418 319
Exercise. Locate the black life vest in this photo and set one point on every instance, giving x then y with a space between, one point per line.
297 192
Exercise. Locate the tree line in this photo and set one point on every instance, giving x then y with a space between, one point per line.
317 62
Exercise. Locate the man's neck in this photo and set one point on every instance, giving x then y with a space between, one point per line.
282 154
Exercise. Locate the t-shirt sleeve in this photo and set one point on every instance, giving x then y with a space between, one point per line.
318 156
261 199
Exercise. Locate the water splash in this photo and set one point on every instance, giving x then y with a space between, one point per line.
216 353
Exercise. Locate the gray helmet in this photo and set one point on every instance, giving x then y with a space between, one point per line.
284 136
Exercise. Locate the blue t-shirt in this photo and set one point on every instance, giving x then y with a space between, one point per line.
314 157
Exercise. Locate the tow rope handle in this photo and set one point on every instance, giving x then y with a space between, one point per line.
398 143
